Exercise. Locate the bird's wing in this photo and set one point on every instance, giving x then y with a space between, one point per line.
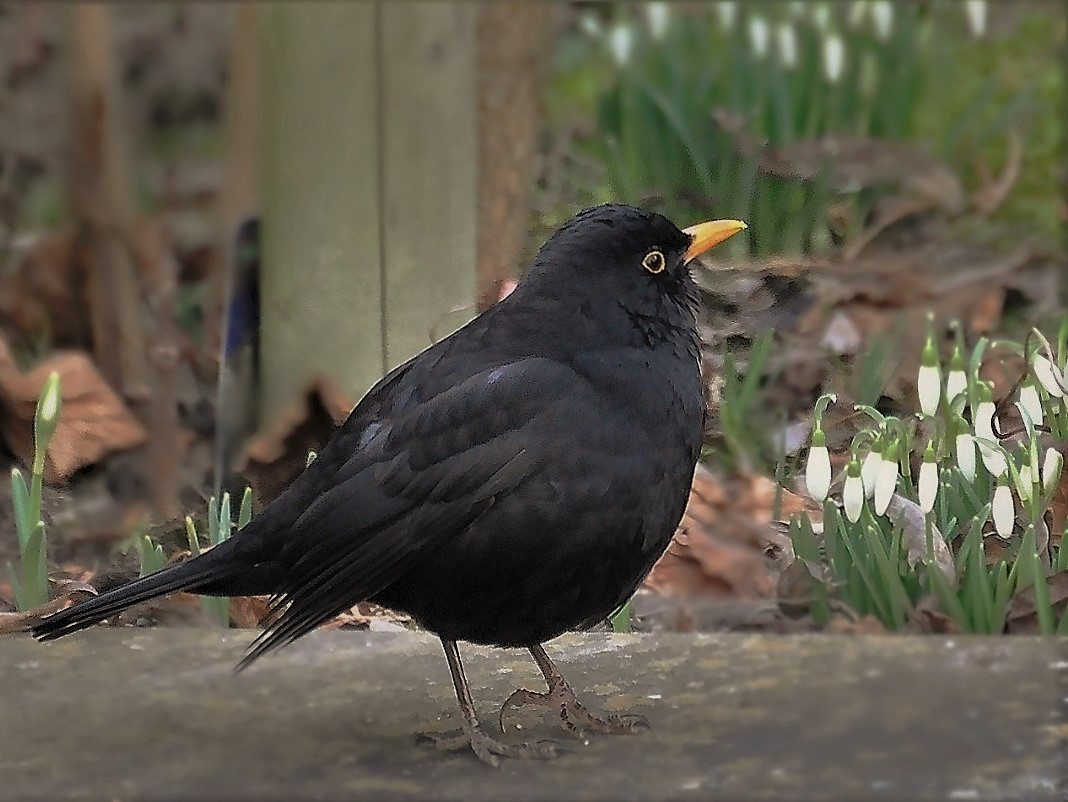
413 477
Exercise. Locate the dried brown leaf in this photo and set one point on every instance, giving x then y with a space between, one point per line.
93 422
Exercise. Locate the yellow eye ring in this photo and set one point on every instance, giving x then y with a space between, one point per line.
654 262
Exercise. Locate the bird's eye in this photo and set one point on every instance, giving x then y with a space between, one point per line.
654 262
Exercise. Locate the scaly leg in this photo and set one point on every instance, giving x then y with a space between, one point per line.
488 749
574 716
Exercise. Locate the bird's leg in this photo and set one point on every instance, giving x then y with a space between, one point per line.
574 716
488 749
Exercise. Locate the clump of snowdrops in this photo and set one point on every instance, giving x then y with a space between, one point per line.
921 501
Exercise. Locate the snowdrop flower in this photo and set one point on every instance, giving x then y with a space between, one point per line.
869 470
758 36
787 38
929 381
1030 405
886 478
975 12
965 448
46 419
1004 511
818 467
621 42
833 57
853 492
798 8
1048 376
993 459
591 26
1051 470
728 12
656 15
882 15
821 16
927 484
957 380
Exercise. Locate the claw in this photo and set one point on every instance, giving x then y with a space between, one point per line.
575 717
488 749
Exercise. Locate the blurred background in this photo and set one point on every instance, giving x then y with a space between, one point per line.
220 224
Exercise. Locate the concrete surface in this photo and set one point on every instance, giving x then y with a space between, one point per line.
124 714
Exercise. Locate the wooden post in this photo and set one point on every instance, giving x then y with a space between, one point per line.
369 182
321 290
429 182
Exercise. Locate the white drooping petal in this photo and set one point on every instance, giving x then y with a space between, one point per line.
965 448
993 459
656 15
927 485
869 471
885 484
1048 376
853 497
956 383
833 57
975 13
1051 469
727 10
1004 512
759 35
818 473
787 39
882 14
929 388
1031 403
620 42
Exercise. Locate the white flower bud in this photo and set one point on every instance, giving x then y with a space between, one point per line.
727 10
993 459
758 36
957 380
929 388
975 12
833 57
1051 470
821 17
885 481
1030 405
858 9
882 14
853 493
965 448
818 472
787 38
1048 376
927 485
1004 512
620 42
656 15
869 471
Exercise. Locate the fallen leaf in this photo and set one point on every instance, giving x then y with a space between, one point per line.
277 455
1022 616
93 421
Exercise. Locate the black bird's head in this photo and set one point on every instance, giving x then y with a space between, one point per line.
635 256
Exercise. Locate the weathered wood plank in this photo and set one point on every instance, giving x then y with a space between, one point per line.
322 288
429 151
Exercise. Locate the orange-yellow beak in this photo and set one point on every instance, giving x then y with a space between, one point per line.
705 235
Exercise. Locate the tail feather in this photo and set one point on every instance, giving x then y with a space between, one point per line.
188 575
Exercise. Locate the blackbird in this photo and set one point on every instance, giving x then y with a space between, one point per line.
513 481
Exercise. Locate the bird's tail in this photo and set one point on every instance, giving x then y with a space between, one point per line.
212 571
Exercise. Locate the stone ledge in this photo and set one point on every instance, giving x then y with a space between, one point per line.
124 714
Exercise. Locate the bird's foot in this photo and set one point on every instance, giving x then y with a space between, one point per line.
574 716
488 749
